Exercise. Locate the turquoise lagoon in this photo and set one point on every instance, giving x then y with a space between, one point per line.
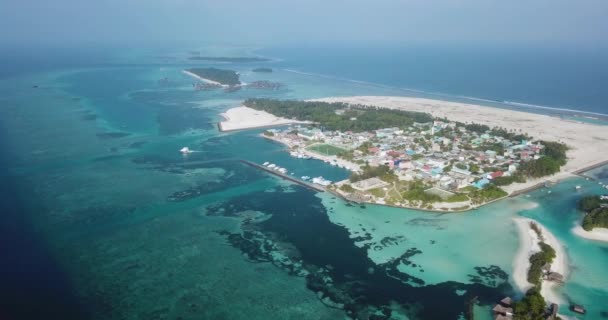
144 232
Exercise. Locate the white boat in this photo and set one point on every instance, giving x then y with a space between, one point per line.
577 187
305 178
321 181
185 150
283 170
265 163
272 165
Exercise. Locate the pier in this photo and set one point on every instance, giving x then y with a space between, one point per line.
305 184
581 172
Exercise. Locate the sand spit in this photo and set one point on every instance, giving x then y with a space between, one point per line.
528 240
242 117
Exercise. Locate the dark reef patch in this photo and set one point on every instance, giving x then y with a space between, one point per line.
235 174
298 237
490 276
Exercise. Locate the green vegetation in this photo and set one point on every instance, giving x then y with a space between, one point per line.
458 198
538 260
596 212
264 70
347 188
507 180
383 172
590 203
227 77
416 192
489 193
554 156
478 128
596 219
377 192
531 307
326 149
229 59
268 133
356 118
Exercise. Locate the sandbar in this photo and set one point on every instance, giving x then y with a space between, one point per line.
242 117
528 245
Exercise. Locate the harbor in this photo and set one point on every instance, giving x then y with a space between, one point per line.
284 175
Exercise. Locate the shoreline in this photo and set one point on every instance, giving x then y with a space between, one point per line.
527 247
243 118
203 79
597 234
346 165
588 148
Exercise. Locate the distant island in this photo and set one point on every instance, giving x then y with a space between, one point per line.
262 70
230 59
412 159
215 76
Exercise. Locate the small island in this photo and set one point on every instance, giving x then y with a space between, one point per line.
539 267
229 59
215 76
412 159
594 224
262 70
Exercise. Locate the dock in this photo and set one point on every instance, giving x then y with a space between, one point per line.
305 184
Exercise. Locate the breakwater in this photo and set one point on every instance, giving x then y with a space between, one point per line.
311 186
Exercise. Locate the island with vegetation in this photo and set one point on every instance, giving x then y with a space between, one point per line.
596 212
229 59
221 76
262 70
543 270
412 159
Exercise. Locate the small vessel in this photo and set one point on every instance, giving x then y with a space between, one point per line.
578 308
272 165
265 163
320 180
305 178
577 187
185 150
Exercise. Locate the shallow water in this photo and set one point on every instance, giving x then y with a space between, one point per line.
144 232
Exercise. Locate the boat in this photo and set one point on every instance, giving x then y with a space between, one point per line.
185 150
577 187
282 170
272 165
578 308
265 163
305 178
321 181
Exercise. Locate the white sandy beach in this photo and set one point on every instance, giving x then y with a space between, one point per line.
588 142
202 79
242 117
597 234
529 245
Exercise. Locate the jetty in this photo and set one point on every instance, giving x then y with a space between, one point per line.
305 184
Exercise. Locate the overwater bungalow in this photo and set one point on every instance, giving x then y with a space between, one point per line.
504 309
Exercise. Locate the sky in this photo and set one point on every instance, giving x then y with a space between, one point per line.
308 22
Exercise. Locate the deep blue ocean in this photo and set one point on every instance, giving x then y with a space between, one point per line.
551 77
95 194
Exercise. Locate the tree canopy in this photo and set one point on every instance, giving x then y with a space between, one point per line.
356 118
